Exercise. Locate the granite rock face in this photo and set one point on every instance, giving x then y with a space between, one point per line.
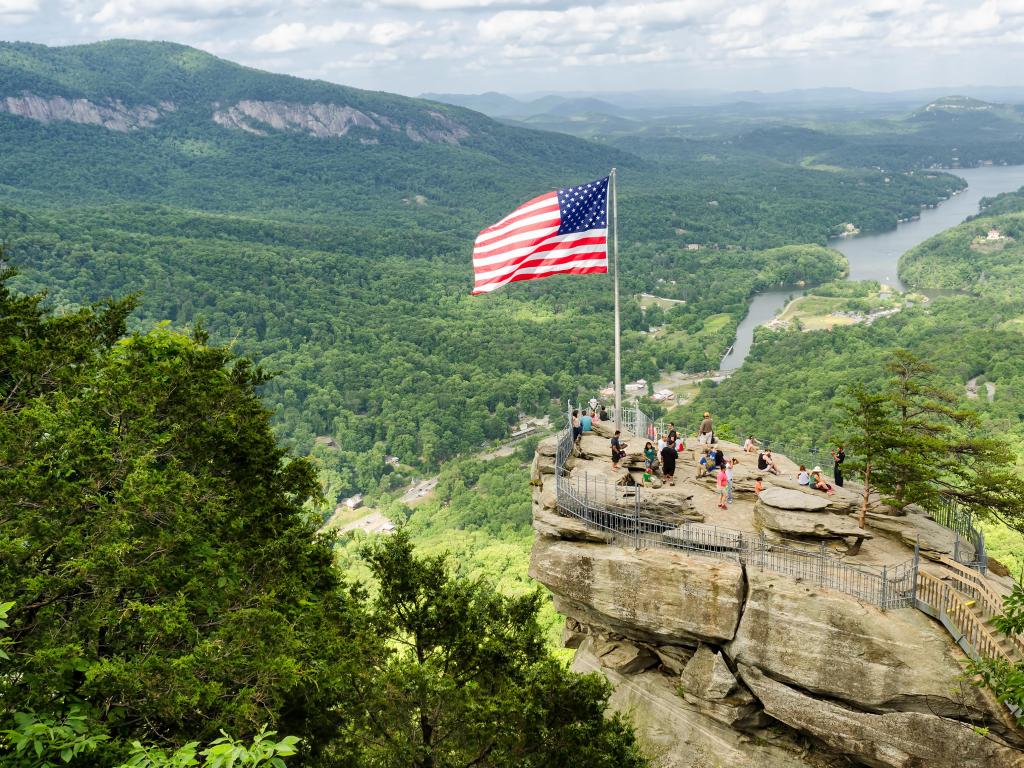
651 595
887 740
330 120
109 113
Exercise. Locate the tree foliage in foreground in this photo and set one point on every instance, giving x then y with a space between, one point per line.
163 584
1006 679
463 678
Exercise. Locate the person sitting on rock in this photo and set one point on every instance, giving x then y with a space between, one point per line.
650 454
818 482
648 478
766 463
704 465
758 486
602 415
587 422
618 449
803 477
750 444
720 461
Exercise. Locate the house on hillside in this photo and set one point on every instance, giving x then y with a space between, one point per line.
994 234
353 502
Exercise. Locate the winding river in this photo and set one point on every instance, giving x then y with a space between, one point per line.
875 257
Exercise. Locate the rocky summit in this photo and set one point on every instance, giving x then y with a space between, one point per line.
725 661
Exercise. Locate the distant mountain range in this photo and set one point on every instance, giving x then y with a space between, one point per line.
646 102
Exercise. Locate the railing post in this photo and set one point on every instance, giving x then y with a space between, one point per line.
739 548
885 587
913 574
821 565
636 518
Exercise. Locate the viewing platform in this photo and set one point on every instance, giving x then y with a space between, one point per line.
732 635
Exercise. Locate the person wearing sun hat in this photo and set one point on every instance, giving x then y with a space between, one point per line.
706 431
818 482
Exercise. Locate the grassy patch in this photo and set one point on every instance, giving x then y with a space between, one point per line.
716 323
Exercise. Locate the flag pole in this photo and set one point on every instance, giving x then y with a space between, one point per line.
615 279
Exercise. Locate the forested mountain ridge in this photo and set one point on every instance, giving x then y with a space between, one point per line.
100 84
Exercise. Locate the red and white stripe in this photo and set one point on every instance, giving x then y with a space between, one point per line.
525 245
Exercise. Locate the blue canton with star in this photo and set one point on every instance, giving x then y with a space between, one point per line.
583 207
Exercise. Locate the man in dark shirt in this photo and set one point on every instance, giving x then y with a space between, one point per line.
838 456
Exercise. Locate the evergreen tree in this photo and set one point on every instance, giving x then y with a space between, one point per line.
461 677
914 445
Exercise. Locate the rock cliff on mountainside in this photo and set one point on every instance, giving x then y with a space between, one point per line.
260 118
722 663
111 114
326 120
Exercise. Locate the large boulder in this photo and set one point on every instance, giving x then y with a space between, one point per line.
622 656
799 525
833 646
888 740
555 526
803 499
936 540
675 734
708 684
656 596
794 500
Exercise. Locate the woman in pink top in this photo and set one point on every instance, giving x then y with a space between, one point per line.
723 488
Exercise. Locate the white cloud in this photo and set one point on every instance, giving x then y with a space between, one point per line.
454 5
18 11
285 38
517 44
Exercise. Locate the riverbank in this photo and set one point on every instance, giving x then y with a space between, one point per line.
876 257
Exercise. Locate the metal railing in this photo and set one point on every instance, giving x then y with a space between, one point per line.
623 512
961 522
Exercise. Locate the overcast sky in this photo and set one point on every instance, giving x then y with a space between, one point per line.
411 46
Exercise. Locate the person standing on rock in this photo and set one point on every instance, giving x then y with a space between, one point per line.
838 456
668 462
577 427
618 450
723 488
705 434
730 467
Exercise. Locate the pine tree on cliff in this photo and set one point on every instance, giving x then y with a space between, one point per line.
915 445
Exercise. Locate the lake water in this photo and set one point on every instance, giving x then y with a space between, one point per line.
875 257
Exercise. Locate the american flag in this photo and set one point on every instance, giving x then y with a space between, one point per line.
560 233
